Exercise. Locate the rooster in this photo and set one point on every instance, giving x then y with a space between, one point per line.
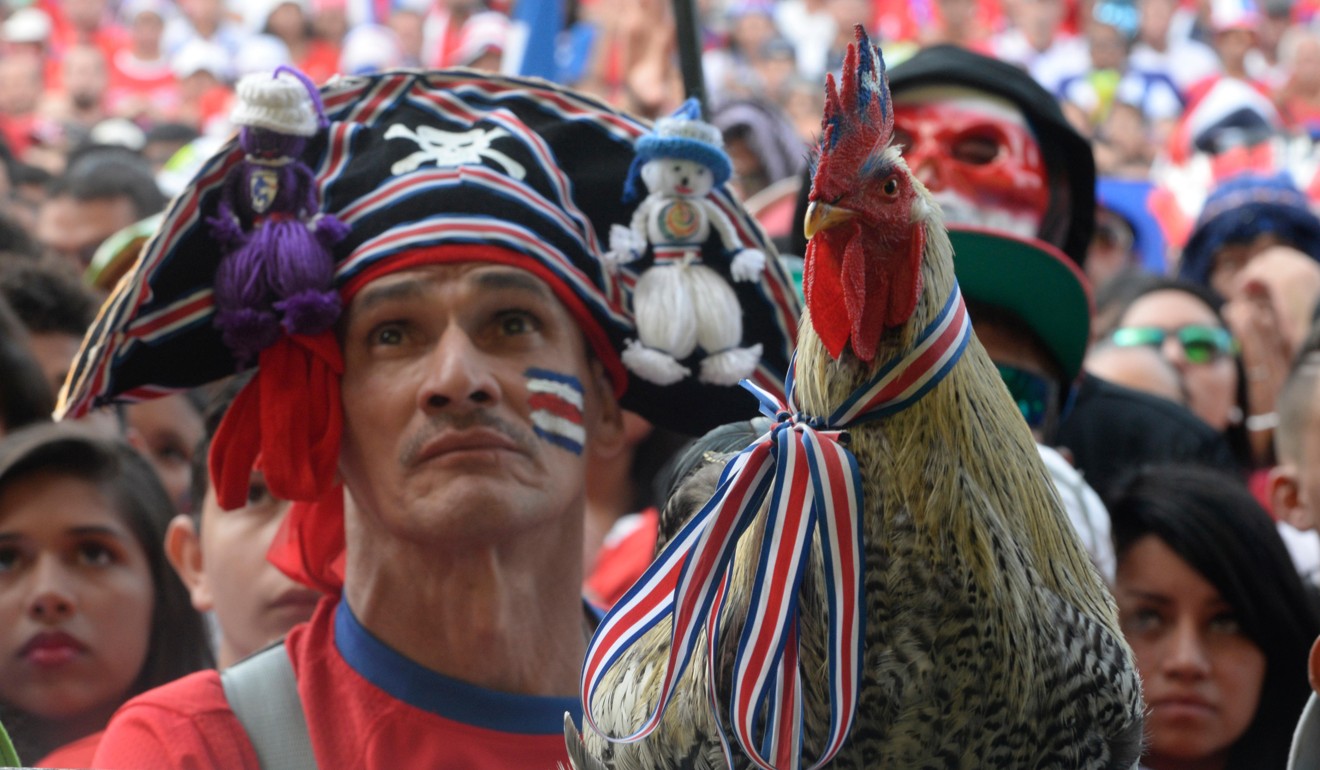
986 639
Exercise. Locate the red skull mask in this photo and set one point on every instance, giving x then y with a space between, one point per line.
976 155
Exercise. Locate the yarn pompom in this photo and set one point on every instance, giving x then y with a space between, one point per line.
310 311
247 331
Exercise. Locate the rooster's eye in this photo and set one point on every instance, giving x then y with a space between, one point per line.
891 186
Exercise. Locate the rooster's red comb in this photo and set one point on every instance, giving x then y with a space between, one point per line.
859 115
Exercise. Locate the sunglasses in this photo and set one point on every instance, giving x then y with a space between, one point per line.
1200 344
1036 396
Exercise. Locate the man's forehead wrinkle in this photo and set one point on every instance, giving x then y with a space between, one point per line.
417 284
382 292
511 279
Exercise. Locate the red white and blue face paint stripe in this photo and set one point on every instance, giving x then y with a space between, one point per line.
814 486
556 402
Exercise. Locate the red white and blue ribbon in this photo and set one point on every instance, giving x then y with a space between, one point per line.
814 484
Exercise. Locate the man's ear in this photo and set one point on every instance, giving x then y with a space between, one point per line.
184 550
609 436
1286 498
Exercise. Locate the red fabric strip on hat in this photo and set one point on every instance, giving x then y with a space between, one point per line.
289 414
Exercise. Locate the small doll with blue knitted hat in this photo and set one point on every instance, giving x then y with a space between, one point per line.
278 273
681 302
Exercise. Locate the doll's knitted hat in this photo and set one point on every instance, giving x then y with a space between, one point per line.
683 135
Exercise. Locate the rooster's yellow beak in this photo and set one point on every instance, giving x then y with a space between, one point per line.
822 216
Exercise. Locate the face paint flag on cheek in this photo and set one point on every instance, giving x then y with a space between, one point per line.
556 403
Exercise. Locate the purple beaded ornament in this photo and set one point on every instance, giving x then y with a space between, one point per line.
277 276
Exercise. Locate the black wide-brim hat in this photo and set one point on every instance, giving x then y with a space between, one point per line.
1070 219
431 162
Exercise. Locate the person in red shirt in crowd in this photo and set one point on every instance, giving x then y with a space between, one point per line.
288 21
80 105
203 71
472 375
21 86
142 84
1298 97
86 22
1234 26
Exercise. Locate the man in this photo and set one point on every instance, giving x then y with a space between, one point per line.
55 309
479 345
996 150
100 194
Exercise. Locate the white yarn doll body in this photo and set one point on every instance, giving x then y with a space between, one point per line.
681 302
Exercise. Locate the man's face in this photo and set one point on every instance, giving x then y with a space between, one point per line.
72 229
471 407
85 76
976 155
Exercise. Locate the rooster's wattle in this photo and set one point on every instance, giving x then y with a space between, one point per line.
987 638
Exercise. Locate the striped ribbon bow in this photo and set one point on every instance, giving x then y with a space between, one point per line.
813 481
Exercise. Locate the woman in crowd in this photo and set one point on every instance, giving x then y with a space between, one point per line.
90 612
1218 619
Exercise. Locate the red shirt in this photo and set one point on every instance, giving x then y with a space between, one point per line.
78 753
366 706
628 550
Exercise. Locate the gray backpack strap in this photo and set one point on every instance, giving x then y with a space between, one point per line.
263 693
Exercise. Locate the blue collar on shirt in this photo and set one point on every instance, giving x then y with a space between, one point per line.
449 698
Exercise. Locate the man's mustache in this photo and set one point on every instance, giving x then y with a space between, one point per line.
441 423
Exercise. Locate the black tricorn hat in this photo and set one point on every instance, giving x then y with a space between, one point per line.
413 161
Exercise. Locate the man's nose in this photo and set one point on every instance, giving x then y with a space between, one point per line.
52 597
458 374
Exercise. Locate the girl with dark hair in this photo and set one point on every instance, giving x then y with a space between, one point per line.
90 612
1218 619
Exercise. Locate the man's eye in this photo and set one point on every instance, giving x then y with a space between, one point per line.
513 323
387 335
976 150
9 558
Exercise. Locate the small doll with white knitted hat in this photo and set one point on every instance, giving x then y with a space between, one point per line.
680 302
278 273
